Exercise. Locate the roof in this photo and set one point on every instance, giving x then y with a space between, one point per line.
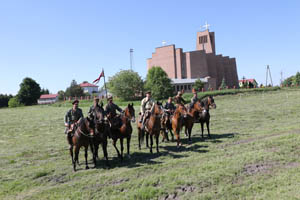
249 80
87 85
48 96
187 80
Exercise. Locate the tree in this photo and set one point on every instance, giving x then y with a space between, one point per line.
14 102
126 84
288 81
223 84
296 79
61 95
159 83
45 91
4 98
198 85
30 92
74 90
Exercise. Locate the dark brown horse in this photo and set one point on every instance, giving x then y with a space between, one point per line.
82 137
152 127
102 130
204 116
178 121
166 126
192 115
124 131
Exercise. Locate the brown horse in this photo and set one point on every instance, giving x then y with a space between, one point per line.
204 116
166 126
82 137
102 130
178 121
152 127
192 115
124 131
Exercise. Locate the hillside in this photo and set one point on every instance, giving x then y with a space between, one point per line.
253 154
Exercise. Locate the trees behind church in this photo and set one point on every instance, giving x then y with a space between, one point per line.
158 83
74 90
126 84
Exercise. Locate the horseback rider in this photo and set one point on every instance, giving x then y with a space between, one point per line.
72 119
146 106
94 106
194 98
178 99
111 113
170 107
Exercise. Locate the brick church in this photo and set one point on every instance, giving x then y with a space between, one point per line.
184 68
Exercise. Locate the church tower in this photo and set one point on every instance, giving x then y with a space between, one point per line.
206 41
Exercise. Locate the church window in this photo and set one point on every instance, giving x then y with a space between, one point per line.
203 39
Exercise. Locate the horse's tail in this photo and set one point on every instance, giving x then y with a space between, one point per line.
142 136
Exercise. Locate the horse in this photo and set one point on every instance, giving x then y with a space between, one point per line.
152 127
82 137
178 121
166 125
192 115
204 116
102 130
124 131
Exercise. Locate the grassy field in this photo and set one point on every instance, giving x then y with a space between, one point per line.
254 153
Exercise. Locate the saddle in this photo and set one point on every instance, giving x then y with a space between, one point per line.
116 122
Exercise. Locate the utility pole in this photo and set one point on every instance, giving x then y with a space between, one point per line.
268 74
131 58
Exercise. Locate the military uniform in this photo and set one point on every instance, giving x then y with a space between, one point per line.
73 116
170 106
111 109
146 106
92 108
179 100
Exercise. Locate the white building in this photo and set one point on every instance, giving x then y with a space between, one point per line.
89 88
48 98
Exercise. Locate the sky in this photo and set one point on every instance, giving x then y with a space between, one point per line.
54 42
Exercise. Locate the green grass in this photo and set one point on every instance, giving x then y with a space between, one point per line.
253 154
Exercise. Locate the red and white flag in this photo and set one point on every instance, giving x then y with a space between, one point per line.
98 79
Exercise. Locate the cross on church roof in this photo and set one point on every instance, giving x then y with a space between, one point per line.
206 26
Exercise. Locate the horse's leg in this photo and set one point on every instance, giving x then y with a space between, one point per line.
93 147
128 145
104 149
140 137
122 147
151 143
157 138
77 148
71 153
190 132
172 135
207 126
85 156
202 129
147 138
114 144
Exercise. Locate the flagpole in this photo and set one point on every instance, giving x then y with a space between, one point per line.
104 84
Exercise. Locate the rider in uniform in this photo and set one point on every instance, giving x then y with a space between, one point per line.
170 107
72 119
110 110
146 106
95 105
194 98
178 99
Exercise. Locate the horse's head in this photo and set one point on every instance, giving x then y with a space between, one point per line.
99 119
89 125
130 112
198 106
211 102
157 109
181 109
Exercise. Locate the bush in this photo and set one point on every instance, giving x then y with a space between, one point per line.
14 102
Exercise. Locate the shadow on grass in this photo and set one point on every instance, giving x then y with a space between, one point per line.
215 138
136 159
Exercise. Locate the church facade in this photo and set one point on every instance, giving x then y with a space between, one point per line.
203 63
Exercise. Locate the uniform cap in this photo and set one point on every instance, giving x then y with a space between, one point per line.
109 97
194 91
75 101
148 92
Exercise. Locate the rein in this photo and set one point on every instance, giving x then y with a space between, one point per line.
87 135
